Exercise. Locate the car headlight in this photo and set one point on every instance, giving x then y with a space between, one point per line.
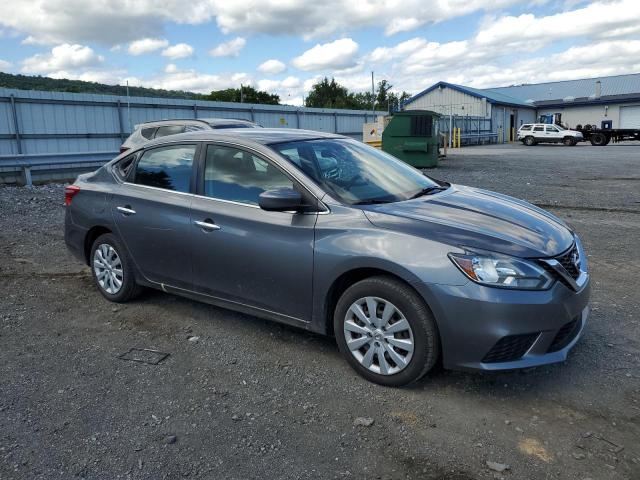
502 271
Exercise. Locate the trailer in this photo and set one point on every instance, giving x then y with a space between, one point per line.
598 137
602 136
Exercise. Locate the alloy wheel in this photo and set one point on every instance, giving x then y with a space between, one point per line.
378 335
107 267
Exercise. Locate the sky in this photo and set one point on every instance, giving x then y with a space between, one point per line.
284 46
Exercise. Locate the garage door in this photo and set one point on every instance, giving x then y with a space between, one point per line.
630 117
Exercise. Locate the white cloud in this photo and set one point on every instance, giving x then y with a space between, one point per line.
146 45
600 58
272 67
337 55
599 19
194 81
179 50
62 57
121 21
106 22
315 19
4 65
110 77
231 48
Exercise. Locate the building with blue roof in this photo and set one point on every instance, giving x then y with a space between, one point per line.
493 114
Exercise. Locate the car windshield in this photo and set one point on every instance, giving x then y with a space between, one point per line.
356 173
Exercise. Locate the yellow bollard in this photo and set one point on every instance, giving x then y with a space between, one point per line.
459 137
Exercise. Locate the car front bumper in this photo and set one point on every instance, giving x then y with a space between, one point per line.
485 328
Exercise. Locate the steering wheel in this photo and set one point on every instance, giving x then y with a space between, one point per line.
358 178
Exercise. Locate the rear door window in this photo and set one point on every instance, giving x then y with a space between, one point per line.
169 130
552 129
166 167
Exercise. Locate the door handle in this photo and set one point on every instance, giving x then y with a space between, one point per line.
126 210
207 225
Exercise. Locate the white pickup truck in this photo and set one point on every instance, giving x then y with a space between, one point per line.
532 133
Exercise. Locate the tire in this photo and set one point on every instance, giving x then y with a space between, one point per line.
529 141
568 141
598 139
408 310
124 287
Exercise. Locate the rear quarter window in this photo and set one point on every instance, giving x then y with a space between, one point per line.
148 132
169 130
525 127
124 166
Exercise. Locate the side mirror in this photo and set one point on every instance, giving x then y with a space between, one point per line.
281 200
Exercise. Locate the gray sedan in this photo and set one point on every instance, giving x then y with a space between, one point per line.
330 235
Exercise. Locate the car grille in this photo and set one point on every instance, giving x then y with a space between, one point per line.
510 348
566 260
565 335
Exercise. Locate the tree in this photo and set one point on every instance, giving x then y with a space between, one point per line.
330 94
249 95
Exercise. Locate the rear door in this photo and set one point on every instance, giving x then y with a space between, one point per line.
538 133
151 210
240 252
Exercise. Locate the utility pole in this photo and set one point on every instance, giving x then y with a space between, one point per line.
373 97
241 97
128 108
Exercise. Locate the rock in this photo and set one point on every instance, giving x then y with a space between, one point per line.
579 456
507 422
497 467
363 422
170 439
193 338
236 418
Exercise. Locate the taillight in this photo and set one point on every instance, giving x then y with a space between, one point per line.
123 149
70 191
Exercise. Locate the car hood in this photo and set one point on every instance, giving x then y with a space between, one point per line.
477 219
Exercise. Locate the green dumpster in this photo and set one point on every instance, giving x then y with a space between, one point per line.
412 136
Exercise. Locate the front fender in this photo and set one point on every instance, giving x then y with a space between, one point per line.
346 240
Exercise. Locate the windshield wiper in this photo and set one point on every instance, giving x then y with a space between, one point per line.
429 191
371 201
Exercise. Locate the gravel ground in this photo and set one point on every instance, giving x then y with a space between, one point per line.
241 398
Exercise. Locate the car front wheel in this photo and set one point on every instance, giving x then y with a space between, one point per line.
568 141
386 332
112 269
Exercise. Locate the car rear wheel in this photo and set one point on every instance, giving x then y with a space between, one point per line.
529 141
569 141
112 270
598 139
386 332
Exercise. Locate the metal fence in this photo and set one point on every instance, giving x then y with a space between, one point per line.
473 130
49 131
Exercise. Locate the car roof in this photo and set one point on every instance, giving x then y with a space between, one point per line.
247 136
182 121
227 121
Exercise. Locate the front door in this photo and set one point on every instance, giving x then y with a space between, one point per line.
552 133
241 253
152 213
